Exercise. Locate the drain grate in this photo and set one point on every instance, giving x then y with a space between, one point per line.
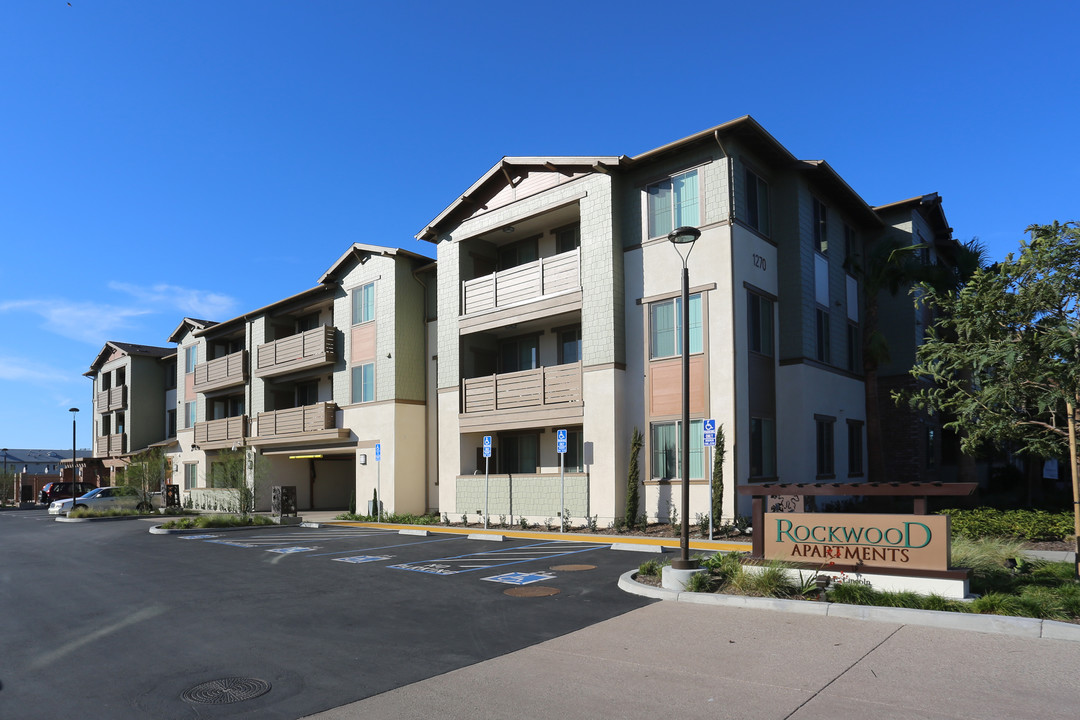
226 690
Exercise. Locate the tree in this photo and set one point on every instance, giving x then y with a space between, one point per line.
632 479
145 474
718 476
242 471
1004 355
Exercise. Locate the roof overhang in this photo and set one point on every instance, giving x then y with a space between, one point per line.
360 253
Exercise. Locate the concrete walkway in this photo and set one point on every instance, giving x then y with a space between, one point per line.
680 660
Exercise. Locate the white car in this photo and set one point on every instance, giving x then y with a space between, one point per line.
103 498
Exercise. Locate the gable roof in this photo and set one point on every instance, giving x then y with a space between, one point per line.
127 349
361 252
190 323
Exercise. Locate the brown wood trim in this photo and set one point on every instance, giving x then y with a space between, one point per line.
708 287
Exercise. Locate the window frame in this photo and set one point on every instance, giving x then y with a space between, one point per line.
191 358
192 482
753 185
767 460
820 226
676 305
359 305
674 208
697 450
355 386
825 447
823 334
756 333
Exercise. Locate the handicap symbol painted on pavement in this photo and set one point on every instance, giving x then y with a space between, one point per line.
290 550
520 578
231 542
198 537
357 559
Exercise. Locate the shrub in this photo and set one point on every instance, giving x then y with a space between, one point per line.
1022 524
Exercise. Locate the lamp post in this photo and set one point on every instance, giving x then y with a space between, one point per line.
680 238
74 412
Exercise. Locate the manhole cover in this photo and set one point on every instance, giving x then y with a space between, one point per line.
226 690
572 568
529 591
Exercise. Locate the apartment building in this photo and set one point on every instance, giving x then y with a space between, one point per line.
560 308
311 384
133 387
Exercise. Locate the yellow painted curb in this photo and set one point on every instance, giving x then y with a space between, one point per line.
667 542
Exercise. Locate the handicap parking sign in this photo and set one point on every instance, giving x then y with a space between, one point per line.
709 427
378 452
487 446
560 441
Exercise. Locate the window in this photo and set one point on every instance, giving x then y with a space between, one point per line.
189 414
821 227
568 238
825 464
191 356
665 327
762 447
849 246
522 353
761 324
106 381
170 376
519 453
853 347
191 475
574 457
121 377
106 425
363 383
666 442
307 393
170 423
823 335
307 322
518 253
854 448
363 304
757 203
569 345
673 203
120 423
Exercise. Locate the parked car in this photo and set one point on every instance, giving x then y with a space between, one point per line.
58 490
104 498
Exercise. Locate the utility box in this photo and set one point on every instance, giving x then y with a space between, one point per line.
283 500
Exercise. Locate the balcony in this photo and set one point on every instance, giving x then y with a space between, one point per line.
222 372
523 399
214 434
542 288
311 422
107 445
302 351
111 399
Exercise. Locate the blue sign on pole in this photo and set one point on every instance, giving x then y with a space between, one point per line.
560 442
487 446
709 427
378 452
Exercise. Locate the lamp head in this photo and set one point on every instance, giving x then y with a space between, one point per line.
74 410
684 235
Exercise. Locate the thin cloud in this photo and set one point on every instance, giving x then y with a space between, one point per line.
88 322
194 303
25 370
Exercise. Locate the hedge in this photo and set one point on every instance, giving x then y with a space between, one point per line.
1030 525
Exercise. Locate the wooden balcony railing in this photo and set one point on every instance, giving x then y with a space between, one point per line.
224 430
556 385
109 445
297 352
222 372
296 421
546 276
111 399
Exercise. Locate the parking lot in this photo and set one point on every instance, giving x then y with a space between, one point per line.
104 619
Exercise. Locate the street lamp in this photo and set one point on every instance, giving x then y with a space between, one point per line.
685 237
74 412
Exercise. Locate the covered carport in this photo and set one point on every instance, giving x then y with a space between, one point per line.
324 477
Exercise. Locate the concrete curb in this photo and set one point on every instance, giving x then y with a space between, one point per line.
158 530
65 519
997 624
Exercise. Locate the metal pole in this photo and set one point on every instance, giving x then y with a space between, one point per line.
487 491
74 412
684 543
378 485
709 475
562 494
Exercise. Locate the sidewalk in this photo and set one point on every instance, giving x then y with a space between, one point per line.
680 660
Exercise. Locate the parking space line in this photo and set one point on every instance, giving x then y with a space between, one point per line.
498 558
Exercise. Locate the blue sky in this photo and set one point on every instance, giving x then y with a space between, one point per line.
206 158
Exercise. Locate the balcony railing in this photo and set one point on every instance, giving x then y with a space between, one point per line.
111 399
297 352
296 421
556 385
546 276
222 372
109 445
224 430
